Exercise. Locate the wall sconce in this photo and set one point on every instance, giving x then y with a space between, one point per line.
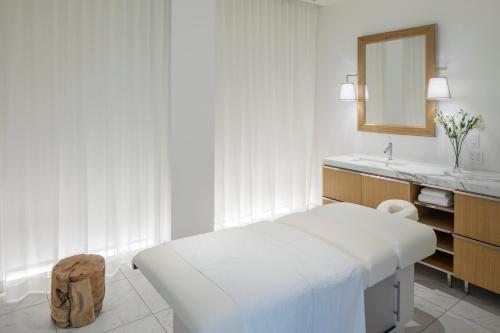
348 90
438 88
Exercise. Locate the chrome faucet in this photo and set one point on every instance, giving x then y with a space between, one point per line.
388 150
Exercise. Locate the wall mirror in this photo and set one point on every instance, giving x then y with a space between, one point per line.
394 69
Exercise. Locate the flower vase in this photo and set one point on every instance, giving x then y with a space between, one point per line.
457 167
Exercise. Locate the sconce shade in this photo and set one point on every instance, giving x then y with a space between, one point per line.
348 92
438 89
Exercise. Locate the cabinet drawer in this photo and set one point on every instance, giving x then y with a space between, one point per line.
477 217
378 189
477 263
342 185
327 201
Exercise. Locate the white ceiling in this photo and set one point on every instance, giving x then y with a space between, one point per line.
323 2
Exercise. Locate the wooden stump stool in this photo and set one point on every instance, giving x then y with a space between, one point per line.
77 290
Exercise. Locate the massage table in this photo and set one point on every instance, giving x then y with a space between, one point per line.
336 268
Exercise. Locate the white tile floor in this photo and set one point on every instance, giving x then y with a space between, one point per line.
132 305
439 309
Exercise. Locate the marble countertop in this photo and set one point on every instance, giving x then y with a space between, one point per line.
472 181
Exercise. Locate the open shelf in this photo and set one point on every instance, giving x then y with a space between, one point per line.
436 219
441 219
440 261
444 242
444 209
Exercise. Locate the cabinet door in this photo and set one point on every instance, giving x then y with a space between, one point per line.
477 262
341 185
378 189
477 217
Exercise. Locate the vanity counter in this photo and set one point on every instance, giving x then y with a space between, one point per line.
472 181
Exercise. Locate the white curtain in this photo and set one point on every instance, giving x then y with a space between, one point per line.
264 109
83 124
375 82
413 81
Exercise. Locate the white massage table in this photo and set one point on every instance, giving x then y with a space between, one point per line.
200 277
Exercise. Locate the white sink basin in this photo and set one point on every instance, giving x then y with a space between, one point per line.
379 161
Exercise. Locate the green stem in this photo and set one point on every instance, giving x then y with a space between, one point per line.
454 150
458 150
462 144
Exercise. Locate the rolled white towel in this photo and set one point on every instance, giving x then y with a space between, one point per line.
445 202
436 192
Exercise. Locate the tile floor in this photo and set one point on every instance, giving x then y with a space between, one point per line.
132 305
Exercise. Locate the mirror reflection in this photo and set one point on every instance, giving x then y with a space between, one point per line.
395 81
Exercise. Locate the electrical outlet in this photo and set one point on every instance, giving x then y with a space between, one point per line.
474 142
476 157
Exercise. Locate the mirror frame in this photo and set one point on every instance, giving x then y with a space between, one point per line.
429 31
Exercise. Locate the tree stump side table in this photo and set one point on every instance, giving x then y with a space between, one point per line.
77 290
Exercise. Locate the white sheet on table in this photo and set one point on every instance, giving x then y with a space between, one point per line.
411 241
374 254
281 279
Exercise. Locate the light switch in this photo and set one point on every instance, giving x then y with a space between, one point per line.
474 141
476 157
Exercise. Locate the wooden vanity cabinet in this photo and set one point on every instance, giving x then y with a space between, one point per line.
477 263
477 240
376 189
366 190
341 185
478 218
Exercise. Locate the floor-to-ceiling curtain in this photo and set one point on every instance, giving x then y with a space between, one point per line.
83 133
265 67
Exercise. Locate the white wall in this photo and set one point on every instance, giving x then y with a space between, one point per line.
192 116
468 43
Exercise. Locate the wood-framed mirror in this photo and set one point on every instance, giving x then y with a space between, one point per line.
394 69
